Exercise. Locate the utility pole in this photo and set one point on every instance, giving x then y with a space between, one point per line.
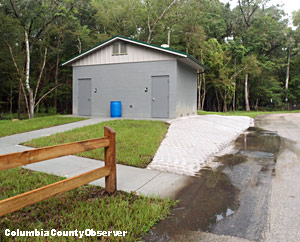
169 35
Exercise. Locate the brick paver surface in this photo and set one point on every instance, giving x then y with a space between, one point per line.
192 141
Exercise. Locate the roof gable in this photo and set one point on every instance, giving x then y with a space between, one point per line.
163 52
134 53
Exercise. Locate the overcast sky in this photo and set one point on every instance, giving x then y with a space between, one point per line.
288 5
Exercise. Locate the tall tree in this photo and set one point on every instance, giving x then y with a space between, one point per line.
33 17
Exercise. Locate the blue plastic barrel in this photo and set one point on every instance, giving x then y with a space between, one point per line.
115 109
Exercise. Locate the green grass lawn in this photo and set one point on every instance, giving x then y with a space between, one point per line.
136 140
87 207
8 127
251 114
9 116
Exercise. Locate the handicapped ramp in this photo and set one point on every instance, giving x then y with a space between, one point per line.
191 142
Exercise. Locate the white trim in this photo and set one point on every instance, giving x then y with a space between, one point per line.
120 38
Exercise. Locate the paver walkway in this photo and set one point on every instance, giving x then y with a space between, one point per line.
193 141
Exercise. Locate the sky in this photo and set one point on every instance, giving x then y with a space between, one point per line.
288 5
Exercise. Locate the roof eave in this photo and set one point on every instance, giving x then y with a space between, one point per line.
203 67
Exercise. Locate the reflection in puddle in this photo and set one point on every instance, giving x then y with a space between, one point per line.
231 159
257 154
258 140
231 200
221 216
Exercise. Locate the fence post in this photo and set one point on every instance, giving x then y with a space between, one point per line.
110 160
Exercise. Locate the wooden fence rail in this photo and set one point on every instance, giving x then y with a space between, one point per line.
31 156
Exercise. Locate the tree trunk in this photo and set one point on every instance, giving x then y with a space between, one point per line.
27 84
19 101
79 44
25 98
225 106
199 91
287 74
218 102
247 93
20 75
234 88
169 36
233 99
204 91
225 103
256 105
204 85
56 70
42 97
11 102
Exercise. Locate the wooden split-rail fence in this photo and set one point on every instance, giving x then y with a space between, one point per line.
17 159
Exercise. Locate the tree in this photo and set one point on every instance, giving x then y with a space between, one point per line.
155 16
251 54
119 17
34 18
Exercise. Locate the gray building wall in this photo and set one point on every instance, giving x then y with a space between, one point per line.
186 90
125 82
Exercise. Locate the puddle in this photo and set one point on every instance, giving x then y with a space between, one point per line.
257 139
231 159
253 178
257 154
231 200
221 216
209 195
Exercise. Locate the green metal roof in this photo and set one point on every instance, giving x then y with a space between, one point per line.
169 50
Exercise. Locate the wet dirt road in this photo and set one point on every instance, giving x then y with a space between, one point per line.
253 195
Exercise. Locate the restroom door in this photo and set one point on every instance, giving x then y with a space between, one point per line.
160 96
84 97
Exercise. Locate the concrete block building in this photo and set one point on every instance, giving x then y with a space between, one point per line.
149 80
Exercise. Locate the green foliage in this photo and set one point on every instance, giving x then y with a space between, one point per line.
296 18
250 39
52 111
118 17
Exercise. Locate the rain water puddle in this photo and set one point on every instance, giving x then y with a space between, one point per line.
231 200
